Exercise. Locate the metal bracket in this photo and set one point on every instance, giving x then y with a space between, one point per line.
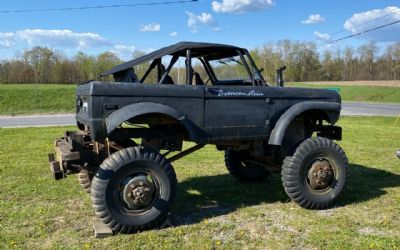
186 152
101 230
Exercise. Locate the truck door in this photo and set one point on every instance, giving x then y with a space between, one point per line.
232 112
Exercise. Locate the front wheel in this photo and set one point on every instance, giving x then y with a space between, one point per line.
316 173
133 190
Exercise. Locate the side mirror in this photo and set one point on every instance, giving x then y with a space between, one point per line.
279 76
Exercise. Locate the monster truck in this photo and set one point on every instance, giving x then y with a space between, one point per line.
206 94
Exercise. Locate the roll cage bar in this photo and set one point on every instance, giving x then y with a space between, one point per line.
204 52
251 69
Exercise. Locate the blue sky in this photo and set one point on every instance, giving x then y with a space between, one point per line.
246 23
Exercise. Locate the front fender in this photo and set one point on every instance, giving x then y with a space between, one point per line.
119 116
332 109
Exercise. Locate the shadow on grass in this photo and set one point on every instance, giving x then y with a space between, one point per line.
208 196
205 197
366 183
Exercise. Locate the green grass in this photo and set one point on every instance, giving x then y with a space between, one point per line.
213 210
17 99
361 93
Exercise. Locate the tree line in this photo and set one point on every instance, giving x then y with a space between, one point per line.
43 65
304 62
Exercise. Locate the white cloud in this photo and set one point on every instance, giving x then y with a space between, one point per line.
68 41
241 6
53 38
119 48
173 34
204 19
151 27
6 39
322 36
360 22
314 19
123 51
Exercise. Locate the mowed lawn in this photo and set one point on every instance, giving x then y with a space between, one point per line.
213 209
360 93
21 99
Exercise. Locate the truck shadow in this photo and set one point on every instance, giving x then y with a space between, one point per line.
366 183
205 197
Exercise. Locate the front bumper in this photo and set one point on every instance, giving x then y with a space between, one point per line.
72 153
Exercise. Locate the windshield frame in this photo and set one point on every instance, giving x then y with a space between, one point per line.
252 70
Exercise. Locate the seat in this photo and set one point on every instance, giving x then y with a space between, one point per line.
198 79
128 75
167 79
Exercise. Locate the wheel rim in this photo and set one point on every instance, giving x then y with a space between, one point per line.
320 174
138 192
136 189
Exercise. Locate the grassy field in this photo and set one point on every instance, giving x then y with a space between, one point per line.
389 83
213 210
359 93
17 99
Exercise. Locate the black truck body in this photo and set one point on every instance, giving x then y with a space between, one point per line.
211 114
261 128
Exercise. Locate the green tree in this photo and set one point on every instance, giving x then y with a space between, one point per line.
42 60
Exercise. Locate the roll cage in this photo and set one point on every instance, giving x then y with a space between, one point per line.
204 52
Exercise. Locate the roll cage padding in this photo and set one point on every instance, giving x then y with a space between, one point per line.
331 109
119 116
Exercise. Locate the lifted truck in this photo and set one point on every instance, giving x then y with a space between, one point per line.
127 128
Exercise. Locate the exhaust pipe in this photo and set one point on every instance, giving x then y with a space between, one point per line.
279 76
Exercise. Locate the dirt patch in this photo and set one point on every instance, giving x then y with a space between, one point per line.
375 232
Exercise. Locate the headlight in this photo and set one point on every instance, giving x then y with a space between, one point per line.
85 106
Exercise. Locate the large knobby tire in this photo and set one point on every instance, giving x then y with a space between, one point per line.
85 179
316 173
242 169
85 176
133 190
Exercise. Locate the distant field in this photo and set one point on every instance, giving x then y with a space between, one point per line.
18 99
359 93
360 83
213 209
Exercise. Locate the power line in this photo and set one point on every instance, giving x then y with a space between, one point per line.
98 7
365 31
363 23
358 25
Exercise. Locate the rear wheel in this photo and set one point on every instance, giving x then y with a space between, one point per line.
316 173
243 169
85 179
133 190
85 176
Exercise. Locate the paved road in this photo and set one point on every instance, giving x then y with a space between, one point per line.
36 121
359 108
349 108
